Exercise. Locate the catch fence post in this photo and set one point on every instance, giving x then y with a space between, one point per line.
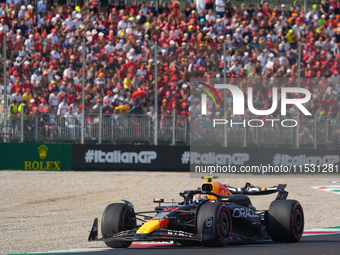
100 124
173 126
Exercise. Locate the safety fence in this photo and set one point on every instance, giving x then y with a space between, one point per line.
311 132
172 129
103 128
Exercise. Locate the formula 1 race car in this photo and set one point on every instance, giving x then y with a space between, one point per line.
213 215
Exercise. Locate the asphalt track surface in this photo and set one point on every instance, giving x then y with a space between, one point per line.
309 245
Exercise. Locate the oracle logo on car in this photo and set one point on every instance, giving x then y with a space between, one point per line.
239 102
244 212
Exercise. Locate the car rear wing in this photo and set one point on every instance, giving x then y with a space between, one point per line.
249 189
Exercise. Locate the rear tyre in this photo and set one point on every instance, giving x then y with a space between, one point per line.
214 224
116 218
285 221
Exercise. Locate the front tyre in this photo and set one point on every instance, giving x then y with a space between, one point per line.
116 218
285 221
214 224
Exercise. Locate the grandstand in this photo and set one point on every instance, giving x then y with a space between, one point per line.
43 54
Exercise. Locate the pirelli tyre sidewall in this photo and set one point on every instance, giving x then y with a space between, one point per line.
113 221
285 221
214 224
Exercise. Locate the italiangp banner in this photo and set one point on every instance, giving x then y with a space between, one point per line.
180 158
128 157
35 156
263 161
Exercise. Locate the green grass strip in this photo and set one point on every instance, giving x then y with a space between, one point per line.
337 227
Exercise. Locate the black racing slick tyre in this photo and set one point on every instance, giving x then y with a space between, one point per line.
116 218
285 221
214 224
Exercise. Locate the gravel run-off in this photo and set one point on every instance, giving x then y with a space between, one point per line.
44 211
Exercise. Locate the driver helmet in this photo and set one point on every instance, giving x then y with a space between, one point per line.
198 198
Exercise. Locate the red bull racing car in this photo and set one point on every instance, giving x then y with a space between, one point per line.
213 215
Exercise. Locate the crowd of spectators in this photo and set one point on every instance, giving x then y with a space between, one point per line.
44 53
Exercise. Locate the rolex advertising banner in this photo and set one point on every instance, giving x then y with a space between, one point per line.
35 156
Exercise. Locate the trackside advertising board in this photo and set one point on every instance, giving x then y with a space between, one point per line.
263 161
180 158
35 156
58 157
128 157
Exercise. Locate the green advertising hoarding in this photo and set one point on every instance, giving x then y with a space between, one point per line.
35 156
